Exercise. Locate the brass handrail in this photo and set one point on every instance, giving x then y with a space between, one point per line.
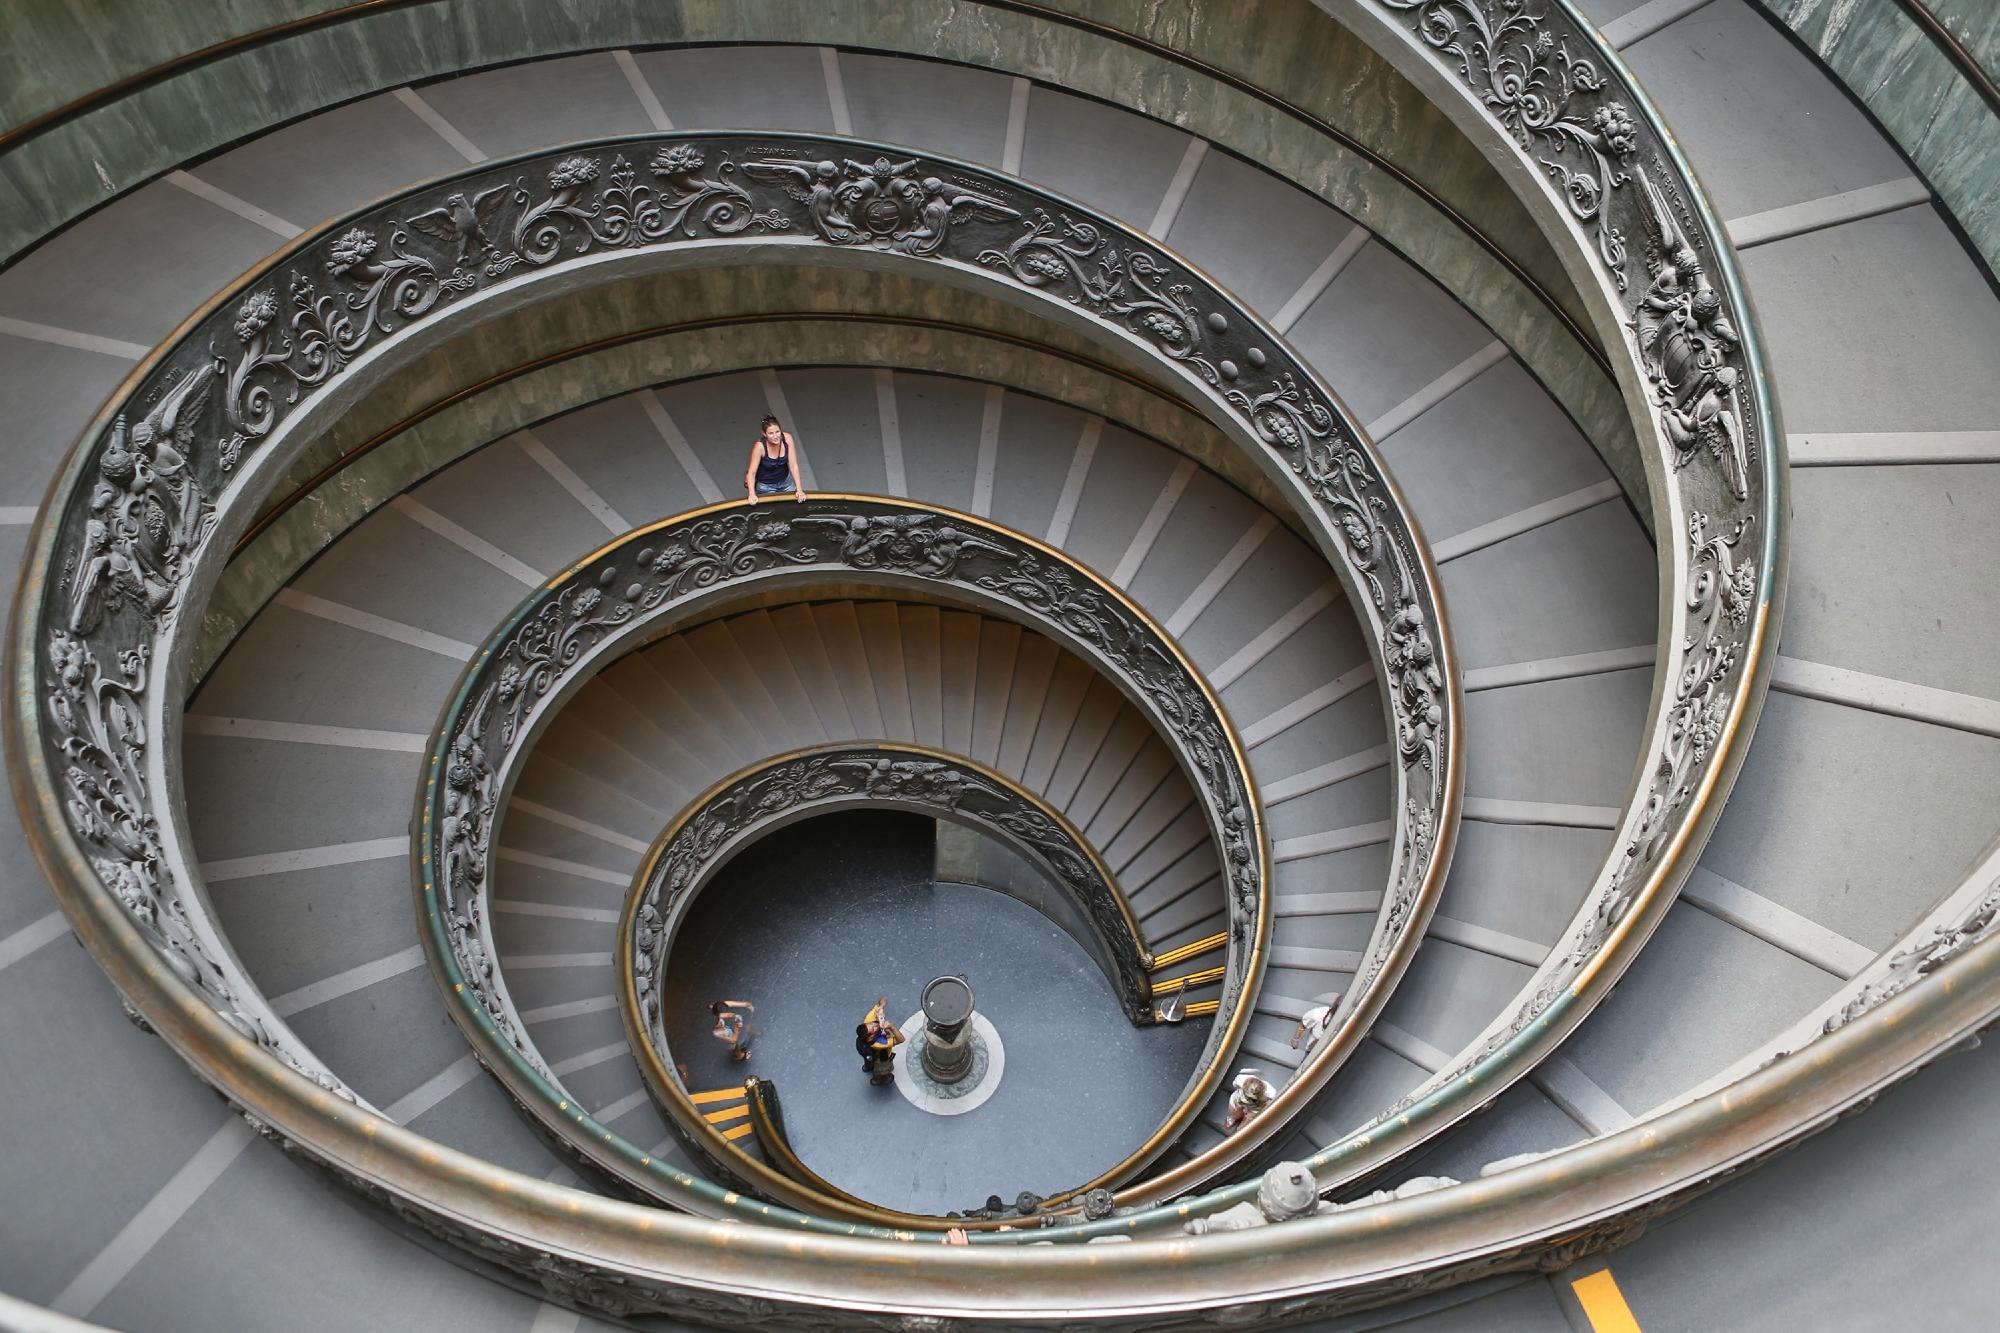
459 806
648 1040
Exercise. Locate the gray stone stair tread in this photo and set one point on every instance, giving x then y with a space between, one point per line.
1571 742
330 163
836 421
762 648
1122 744
701 695
1194 914
1705 994
940 418
999 646
264 1209
1201 928
921 632
1848 608
1383 331
625 765
1907 280
1344 728
1126 476
739 87
1034 667
288 666
1373 1079
1450 993
840 630
1366 798
958 638
104 276
1198 868
1137 792
540 104
459 596
798 631
952 110
525 831
1326 647
742 684
503 496
51 392
882 639
1258 235
1061 707
1038 442
1142 862
1593 580
253 797
1493 448
1864 847
1108 158
648 695
1767 125
613 446
1207 522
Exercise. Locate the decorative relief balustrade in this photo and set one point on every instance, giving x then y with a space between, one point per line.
835 777
641 585
152 497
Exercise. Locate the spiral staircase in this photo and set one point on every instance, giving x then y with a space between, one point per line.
1465 430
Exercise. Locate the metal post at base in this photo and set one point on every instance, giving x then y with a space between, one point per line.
947 1049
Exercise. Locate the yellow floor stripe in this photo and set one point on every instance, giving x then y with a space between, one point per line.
727 1113
719 1095
1603 1304
738 1132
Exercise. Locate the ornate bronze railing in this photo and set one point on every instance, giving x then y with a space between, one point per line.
627 1260
827 778
1650 254
177 466
642 586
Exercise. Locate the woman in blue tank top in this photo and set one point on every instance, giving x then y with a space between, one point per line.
772 458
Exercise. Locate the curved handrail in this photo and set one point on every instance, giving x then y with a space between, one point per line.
13 137
106 591
639 587
1583 139
1315 1266
843 775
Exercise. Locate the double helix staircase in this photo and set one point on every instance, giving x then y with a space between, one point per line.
1865 797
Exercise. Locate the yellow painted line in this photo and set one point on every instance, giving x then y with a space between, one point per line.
1172 956
727 1113
736 1133
719 1095
1202 1008
1603 1304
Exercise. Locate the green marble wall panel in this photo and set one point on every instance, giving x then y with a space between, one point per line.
1912 87
495 409
53 177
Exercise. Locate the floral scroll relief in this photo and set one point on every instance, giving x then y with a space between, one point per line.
933 783
538 656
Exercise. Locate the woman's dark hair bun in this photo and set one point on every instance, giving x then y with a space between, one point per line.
768 420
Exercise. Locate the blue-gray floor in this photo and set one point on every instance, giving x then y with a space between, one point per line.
814 922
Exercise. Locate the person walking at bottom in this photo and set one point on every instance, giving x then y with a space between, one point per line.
732 1024
876 1039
